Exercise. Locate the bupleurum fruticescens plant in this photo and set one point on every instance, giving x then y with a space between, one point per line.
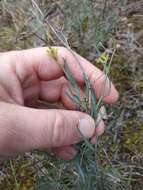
86 171
91 174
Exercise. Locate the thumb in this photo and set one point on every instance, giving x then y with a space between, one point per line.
23 129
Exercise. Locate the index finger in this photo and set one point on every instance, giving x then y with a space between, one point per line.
47 69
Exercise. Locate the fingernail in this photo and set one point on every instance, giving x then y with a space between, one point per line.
87 126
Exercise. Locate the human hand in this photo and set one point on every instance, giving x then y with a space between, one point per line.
29 75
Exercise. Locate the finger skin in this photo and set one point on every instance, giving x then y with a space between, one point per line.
37 64
23 129
56 90
66 152
51 91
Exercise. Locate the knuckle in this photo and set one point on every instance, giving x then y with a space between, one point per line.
58 129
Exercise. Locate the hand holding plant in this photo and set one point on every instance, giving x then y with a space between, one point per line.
30 75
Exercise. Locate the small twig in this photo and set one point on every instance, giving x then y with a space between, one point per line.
17 185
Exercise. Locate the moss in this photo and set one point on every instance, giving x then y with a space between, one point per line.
9 40
136 20
6 36
25 174
140 86
133 136
120 73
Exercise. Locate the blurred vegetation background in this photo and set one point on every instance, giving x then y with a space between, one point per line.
84 24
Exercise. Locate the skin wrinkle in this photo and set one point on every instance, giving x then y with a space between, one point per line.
63 135
56 133
45 131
